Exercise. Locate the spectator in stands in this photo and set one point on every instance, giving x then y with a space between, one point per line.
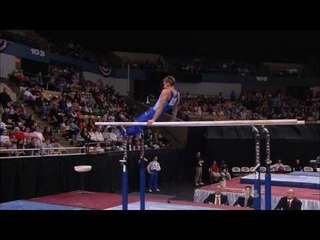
112 135
254 105
214 172
28 97
246 200
198 174
217 198
4 138
297 166
38 134
39 79
224 172
48 134
18 76
57 146
278 167
17 135
46 144
68 112
153 168
98 135
92 134
5 98
290 202
31 145
85 135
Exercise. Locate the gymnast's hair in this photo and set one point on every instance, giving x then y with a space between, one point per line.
171 80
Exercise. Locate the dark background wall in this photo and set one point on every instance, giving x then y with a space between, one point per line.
24 178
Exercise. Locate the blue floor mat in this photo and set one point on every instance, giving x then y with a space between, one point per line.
29 205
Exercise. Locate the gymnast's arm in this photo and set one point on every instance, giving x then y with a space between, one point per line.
163 98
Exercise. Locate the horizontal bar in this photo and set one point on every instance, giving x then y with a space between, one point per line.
208 123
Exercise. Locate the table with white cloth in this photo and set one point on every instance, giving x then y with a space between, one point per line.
310 174
307 204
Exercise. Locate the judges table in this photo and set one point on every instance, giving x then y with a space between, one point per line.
307 204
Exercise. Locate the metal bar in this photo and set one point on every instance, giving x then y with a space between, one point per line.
208 123
268 174
257 182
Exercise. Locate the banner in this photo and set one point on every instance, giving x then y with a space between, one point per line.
105 70
3 44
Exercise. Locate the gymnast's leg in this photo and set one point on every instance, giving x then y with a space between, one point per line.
144 117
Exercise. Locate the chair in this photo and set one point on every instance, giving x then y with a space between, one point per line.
263 169
318 169
82 170
252 169
236 171
287 168
245 170
308 169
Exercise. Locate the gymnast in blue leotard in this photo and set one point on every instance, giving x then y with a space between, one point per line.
168 99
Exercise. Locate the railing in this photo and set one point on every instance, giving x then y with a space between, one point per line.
37 152
33 152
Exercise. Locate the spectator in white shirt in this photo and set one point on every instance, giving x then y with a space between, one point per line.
4 138
38 134
99 136
92 135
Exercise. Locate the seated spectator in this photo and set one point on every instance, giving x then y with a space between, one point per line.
28 97
9 124
5 98
48 134
214 172
290 202
4 138
278 167
92 134
46 144
85 135
20 144
297 166
38 134
246 200
17 135
224 172
57 146
217 198
31 145
98 135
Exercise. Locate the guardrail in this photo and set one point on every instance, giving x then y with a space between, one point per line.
32 152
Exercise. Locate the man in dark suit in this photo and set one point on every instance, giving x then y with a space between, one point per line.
290 202
217 198
246 200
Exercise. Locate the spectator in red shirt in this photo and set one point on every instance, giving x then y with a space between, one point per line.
214 172
17 135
